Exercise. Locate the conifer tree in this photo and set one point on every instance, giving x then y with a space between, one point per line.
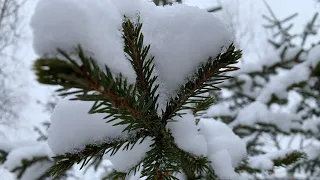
281 92
136 105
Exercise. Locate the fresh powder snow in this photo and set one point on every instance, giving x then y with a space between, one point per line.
72 127
178 35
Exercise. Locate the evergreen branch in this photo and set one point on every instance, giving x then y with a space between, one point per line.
244 130
245 168
196 167
3 156
28 163
119 99
214 9
309 30
144 66
115 175
161 162
202 105
204 81
65 162
289 159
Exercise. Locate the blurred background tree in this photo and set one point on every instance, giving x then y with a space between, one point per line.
10 34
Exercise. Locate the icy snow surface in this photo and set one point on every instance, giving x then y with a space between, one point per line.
72 127
178 34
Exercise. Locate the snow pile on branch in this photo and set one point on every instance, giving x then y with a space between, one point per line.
313 151
265 161
7 146
312 125
258 112
217 110
15 157
191 141
221 143
314 56
209 138
278 84
72 127
272 59
178 35
20 153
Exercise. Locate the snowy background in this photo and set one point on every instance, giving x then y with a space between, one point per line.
246 15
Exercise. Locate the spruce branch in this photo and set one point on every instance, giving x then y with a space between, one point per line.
204 81
91 152
113 95
115 175
25 164
287 160
3 156
142 63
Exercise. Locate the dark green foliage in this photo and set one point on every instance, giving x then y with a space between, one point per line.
3 156
289 159
115 176
135 105
25 164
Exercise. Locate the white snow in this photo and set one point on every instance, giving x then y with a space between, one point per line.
312 125
221 143
94 25
221 109
186 134
314 56
278 84
8 145
210 138
124 160
178 34
271 59
181 35
72 128
37 170
15 156
261 162
265 161
312 151
258 112
221 162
